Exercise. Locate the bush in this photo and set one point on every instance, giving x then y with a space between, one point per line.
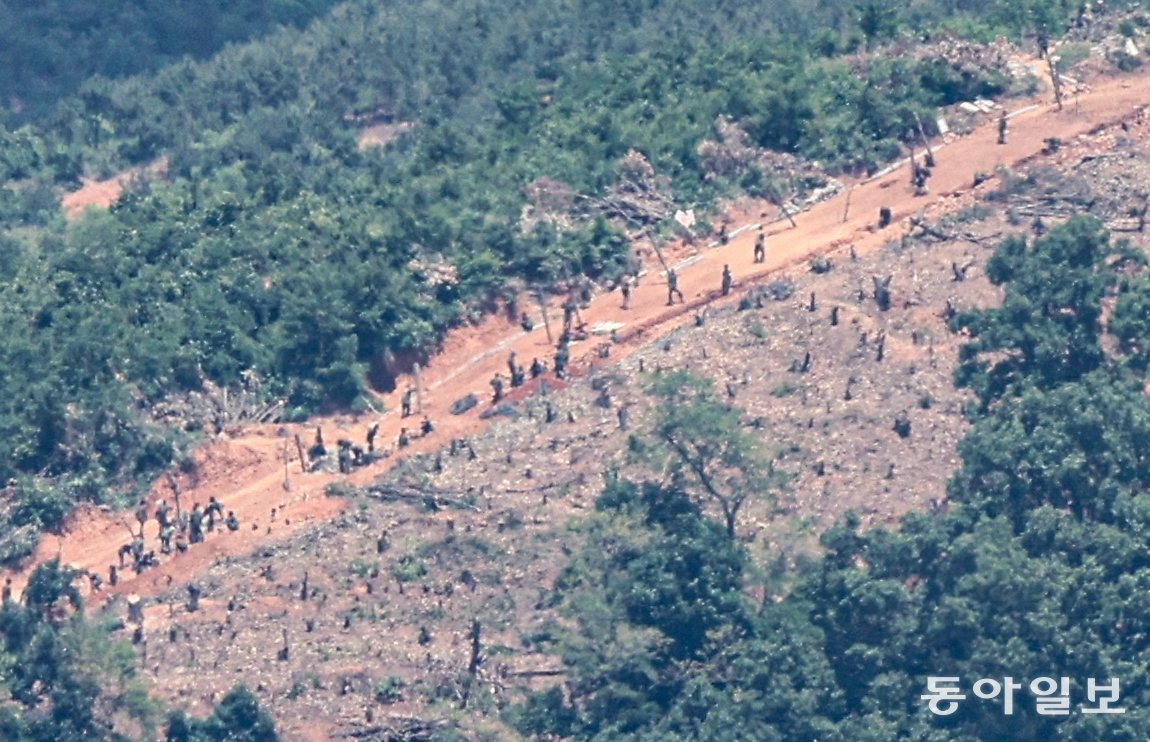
390 690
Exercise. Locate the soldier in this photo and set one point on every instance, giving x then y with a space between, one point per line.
95 581
357 455
344 457
123 551
724 236
537 368
196 525
163 516
372 432
884 217
673 287
526 323
213 511
403 439
1002 126
1043 41
113 575
142 514
760 246
408 396
426 427
726 280
561 357
6 593
625 287
496 389
232 522
166 534
569 308
515 370
918 179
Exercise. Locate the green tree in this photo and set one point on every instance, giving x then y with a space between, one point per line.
697 439
1048 329
238 717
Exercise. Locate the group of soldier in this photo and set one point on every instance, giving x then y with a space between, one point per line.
182 528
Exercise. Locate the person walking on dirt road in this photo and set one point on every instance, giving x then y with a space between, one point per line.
673 288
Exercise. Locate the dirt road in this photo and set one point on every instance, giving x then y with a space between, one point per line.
245 470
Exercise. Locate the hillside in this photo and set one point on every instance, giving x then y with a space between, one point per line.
511 507
850 450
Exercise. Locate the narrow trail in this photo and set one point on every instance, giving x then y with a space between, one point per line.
245 468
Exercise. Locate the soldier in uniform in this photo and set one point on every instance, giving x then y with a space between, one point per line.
918 179
232 522
163 515
426 427
408 396
726 280
496 389
673 287
625 287
526 323
403 439
515 371
760 246
344 457
196 524
166 534
537 368
569 308
561 357
372 432
1002 127
213 511
142 515
884 217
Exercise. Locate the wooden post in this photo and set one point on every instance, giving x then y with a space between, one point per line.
925 141
418 389
658 253
783 208
546 321
473 664
1056 79
847 207
135 609
287 459
175 494
302 458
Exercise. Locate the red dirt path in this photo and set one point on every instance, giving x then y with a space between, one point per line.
244 469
